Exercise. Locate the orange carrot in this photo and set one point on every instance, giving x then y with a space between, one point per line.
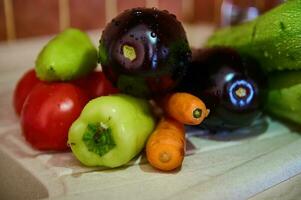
165 148
186 108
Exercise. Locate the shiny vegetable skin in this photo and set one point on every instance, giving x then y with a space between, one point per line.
231 86
274 38
48 112
165 149
111 130
69 55
144 51
284 96
23 88
185 108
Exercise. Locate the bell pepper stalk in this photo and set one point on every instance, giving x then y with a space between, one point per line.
111 130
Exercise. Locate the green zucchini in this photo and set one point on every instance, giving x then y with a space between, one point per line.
274 38
284 95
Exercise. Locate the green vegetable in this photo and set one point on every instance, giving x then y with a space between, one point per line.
67 56
284 95
111 130
274 38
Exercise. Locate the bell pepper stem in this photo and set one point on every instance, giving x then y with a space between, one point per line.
98 138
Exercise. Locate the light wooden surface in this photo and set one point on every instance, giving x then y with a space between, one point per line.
267 166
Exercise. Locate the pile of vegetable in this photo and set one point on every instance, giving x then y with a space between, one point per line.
151 85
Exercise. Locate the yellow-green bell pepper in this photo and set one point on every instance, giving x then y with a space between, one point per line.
111 130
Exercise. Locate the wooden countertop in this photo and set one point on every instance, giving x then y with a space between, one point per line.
266 166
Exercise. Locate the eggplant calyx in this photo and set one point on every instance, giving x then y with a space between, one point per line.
241 92
129 52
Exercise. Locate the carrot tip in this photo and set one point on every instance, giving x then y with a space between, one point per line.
165 157
208 111
197 113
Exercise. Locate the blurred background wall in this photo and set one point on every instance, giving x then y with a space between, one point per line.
31 18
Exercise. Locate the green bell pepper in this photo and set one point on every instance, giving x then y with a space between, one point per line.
69 55
111 130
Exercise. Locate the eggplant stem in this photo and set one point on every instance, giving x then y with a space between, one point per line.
129 52
241 92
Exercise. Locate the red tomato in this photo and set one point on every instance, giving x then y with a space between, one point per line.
23 88
48 112
96 84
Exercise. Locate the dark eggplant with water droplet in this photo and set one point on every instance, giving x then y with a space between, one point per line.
232 87
146 53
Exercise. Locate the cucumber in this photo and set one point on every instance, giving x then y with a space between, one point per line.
274 38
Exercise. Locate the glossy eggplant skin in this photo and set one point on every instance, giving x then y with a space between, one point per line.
232 87
144 51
